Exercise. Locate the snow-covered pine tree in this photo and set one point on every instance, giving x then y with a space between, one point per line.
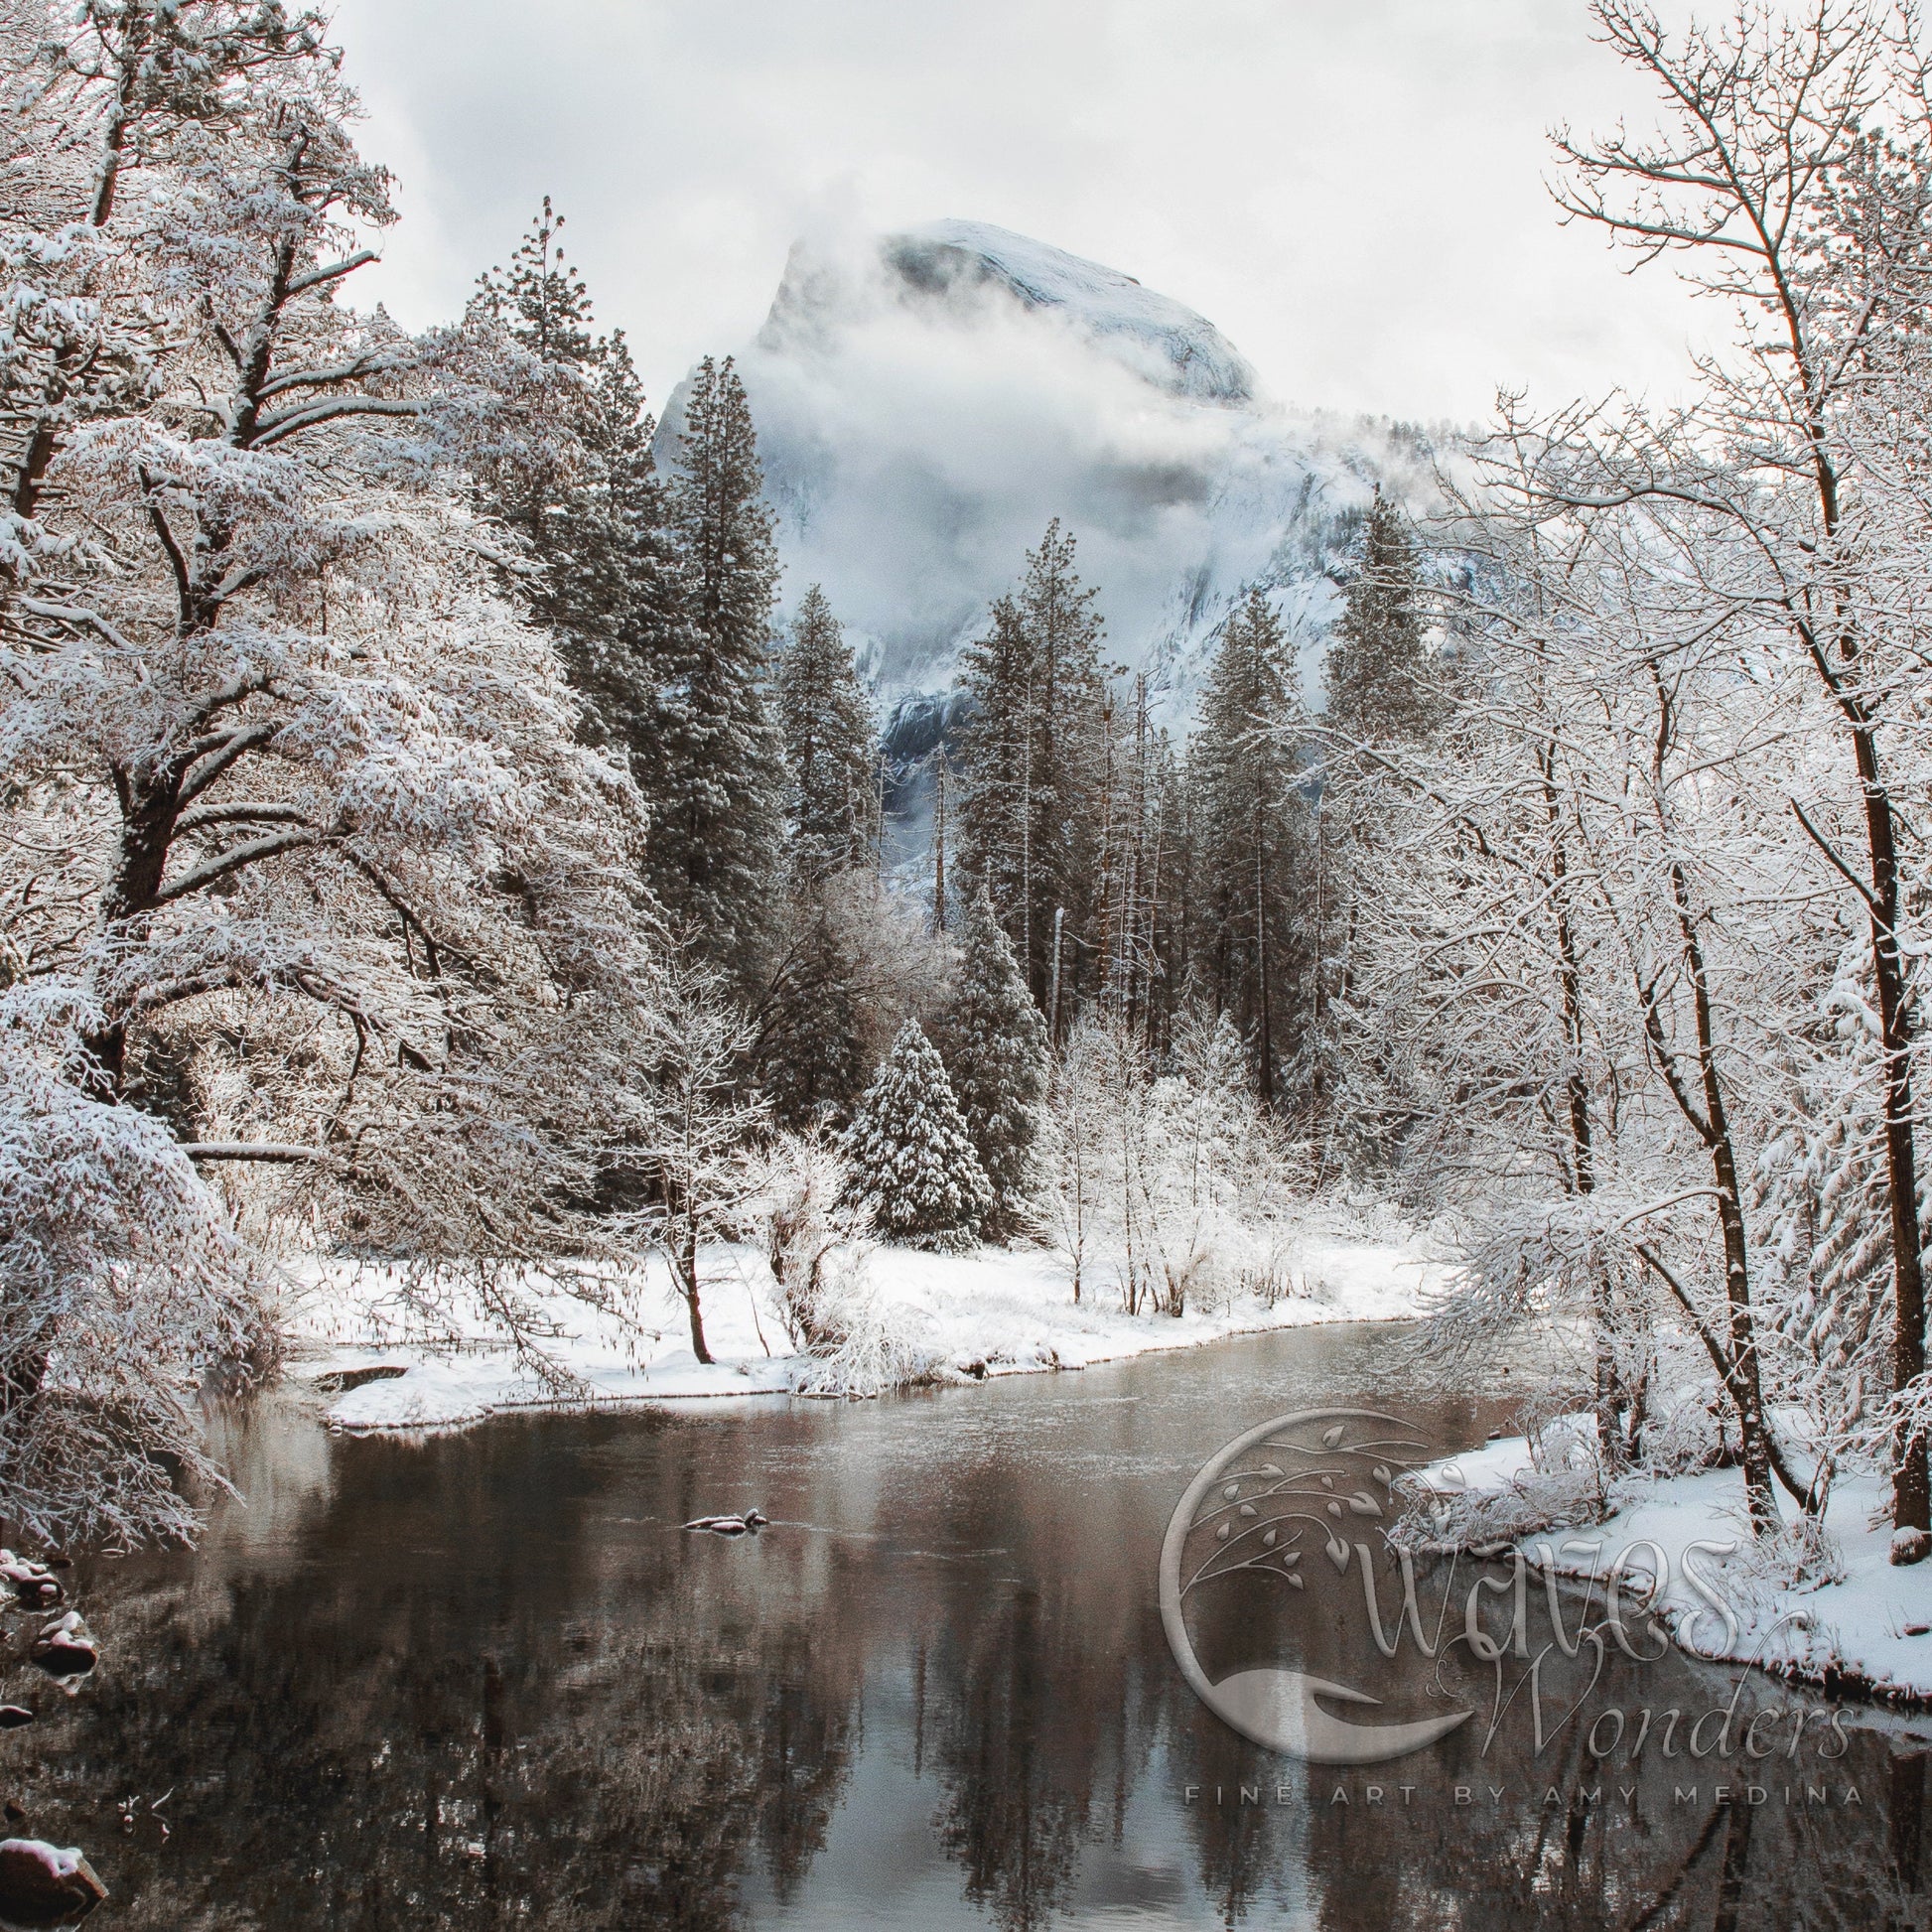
632 589
828 733
911 1154
994 1045
1220 1067
545 308
579 484
1131 863
1382 689
1171 913
715 776
809 1054
1033 769
989 819
1378 673
1247 835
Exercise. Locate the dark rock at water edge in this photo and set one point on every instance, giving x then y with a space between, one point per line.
66 1648
42 1884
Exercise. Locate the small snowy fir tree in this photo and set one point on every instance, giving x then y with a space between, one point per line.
995 1046
1223 1064
911 1154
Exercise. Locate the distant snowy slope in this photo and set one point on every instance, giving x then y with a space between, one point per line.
927 400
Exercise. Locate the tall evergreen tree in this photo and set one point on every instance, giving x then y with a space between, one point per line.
1381 689
1378 672
827 727
715 778
1172 913
545 307
994 1043
911 1154
989 821
1133 868
579 484
1247 812
1032 769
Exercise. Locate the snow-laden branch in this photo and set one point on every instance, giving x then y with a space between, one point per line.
316 278
224 864
79 617
241 812
209 759
289 422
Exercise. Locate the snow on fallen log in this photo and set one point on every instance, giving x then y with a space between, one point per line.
752 1519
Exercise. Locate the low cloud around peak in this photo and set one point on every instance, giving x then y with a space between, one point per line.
927 401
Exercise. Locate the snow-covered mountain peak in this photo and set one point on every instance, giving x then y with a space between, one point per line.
956 269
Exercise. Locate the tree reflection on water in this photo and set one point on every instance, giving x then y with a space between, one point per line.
486 1679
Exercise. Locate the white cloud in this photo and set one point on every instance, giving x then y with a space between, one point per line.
1352 192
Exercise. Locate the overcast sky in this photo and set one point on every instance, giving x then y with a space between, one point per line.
1351 190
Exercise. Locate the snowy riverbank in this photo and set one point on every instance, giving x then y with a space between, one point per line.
1847 1619
995 1312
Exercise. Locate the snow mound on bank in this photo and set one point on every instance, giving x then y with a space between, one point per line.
1848 1616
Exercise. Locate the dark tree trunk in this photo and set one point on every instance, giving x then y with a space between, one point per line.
689 1264
1711 1123
1911 1490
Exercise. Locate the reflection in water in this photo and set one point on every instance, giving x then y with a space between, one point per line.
487 1680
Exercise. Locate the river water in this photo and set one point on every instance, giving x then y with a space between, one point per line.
486 1679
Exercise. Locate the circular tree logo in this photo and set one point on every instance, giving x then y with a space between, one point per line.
1252 1572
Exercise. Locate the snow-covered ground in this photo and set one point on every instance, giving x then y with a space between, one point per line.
1846 1617
996 1311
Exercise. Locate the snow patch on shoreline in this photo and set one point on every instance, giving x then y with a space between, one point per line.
993 1312
1853 1620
